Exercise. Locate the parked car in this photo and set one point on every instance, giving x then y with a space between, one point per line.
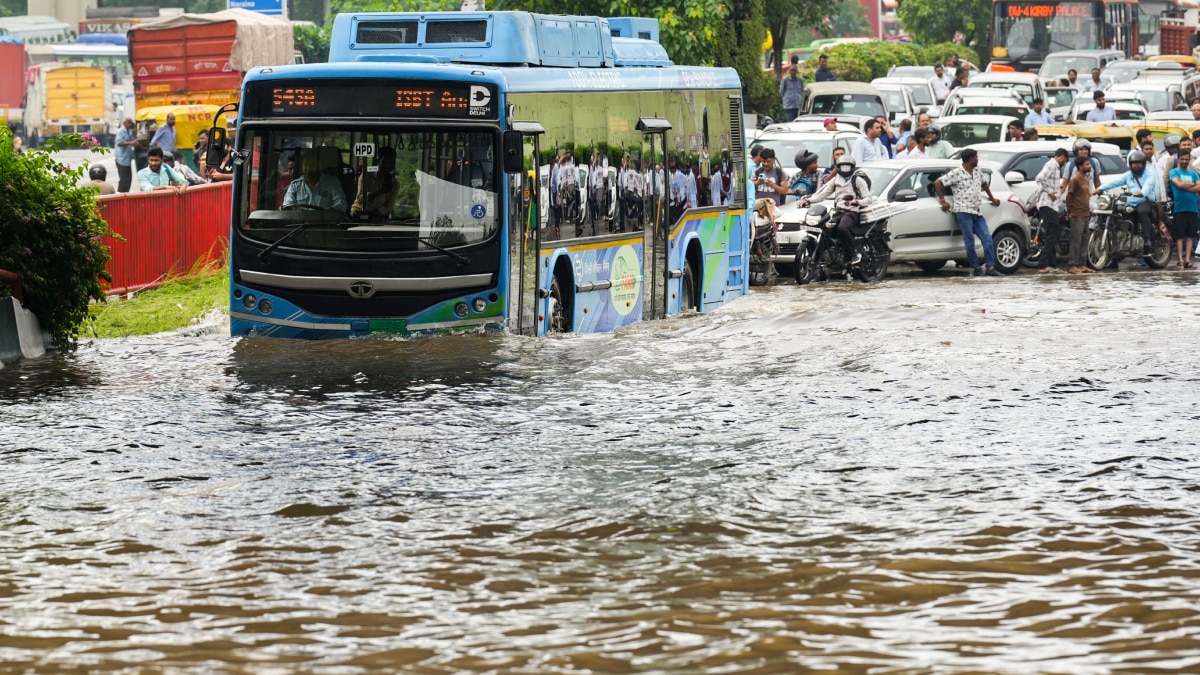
921 90
964 130
1125 109
1082 61
973 101
926 235
833 98
1121 72
1026 85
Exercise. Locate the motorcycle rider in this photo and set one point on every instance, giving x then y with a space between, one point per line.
935 147
807 178
1143 190
849 193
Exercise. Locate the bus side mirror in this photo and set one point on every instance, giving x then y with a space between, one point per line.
214 155
513 147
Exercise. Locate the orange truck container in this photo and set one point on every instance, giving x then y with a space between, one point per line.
200 58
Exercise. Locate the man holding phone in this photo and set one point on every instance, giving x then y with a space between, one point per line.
770 180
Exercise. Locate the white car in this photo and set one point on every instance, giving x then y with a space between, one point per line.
1020 163
963 130
1026 85
1126 110
984 102
926 235
787 144
1154 99
921 90
899 101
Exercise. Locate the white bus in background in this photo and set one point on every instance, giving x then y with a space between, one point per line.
37 30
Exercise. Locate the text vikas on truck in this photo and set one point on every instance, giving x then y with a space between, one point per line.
65 98
201 58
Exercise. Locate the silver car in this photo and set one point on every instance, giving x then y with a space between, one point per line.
925 234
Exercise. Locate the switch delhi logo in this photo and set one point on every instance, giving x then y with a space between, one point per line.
626 280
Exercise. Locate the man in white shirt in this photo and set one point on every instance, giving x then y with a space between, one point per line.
921 136
941 83
1094 84
869 148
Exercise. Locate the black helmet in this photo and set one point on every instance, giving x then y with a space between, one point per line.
933 130
804 158
97 172
845 166
1139 157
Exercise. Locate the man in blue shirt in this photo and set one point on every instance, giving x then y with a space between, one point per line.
1143 190
1101 113
165 136
823 73
1185 183
159 176
126 143
1039 115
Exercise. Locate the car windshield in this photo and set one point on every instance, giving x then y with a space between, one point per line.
894 100
923 72
879 178
1025 90
786 149
962 134
996 156
1011 111
1152 100
922 94
848 104
1059 97
1058 66
376 189
1120 73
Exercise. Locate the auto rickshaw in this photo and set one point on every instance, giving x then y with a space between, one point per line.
1121 135
190 120
1187 60
1163 128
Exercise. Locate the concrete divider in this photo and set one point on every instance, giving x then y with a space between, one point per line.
21 336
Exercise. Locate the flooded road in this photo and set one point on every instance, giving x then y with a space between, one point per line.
943 475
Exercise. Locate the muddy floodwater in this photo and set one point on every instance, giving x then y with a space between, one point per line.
943 475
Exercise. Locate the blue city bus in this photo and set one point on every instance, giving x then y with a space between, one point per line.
451 171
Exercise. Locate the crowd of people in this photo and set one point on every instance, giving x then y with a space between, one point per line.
161 167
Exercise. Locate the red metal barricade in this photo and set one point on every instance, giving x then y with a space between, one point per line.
165 233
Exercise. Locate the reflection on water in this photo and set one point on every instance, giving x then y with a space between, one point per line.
921 476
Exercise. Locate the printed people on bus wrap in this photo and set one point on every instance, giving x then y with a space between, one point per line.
377 190
314 189
691 188
679 193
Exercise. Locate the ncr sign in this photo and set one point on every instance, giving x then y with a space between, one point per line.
270 7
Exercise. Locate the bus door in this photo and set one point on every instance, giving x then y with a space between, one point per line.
656 236
521 170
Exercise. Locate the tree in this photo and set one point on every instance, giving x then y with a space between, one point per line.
933 21
784 15
12 7
739 46
849 19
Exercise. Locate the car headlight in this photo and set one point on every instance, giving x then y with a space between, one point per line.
1104 202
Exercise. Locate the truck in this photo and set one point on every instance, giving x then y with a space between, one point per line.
68 98
199 59
12 79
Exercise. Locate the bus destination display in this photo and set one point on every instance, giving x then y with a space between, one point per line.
1036 10
442 100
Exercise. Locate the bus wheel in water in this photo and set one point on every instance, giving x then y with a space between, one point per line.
687 296
560 313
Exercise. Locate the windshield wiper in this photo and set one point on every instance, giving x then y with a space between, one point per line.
462 259
275 244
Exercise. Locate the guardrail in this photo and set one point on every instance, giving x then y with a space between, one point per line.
165 233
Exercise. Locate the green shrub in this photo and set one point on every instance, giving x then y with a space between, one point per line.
51 234
940 53
865 61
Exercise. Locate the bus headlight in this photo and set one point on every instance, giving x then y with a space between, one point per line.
461 310
265 306
250 301
480 304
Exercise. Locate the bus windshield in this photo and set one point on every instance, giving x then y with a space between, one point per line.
1030 31
375 189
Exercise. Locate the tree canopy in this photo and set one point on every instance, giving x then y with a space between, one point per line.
933 21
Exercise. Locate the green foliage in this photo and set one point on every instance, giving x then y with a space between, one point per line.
866 61
12 7
785 17
313 41
935 21
176 304
848 18
52 235
940 53
739 46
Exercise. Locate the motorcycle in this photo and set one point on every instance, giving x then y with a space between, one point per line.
1119 235
820 257
1037 240
764 247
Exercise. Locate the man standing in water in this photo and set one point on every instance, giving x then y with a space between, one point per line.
1079 210
969 186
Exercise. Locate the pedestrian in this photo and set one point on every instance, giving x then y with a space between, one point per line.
1047 205
165 136
920 139
791 90
1095 84
960 79
183 169
906 126
886 137
924 121
1039 114
1196 109
1079 210
126 145
940 82
755 159
1073 78
1031 134
823 73
1016 130
969 186
98 176
869 148
1185 184
830 170
770 181
199 150
1101 113
158 177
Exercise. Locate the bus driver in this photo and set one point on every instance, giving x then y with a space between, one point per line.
314 189
377 191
